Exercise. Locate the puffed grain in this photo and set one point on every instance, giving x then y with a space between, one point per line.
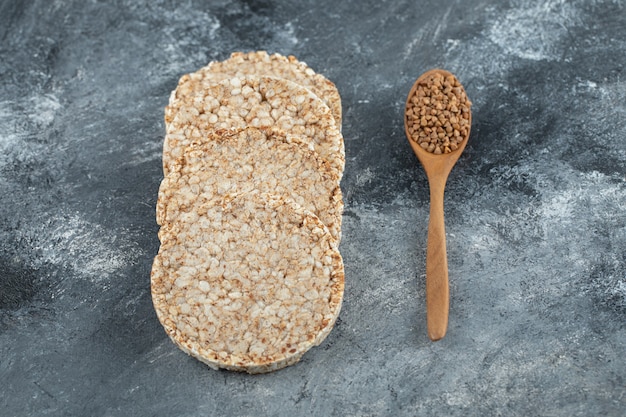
257 63
235 161
256 102
248 282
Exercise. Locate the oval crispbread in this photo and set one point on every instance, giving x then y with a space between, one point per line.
234 161
248 283
256 102
257 63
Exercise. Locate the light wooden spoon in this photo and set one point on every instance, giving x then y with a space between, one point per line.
437 168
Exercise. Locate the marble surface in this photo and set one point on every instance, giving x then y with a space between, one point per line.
535 208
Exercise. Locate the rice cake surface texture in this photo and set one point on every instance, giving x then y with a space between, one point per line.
268 160
247 283
257 63
256 102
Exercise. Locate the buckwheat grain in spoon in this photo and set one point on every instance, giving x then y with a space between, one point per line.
437 123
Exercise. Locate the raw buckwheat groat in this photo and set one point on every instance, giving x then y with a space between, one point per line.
257 63
256 102
248 283
226 162
438 114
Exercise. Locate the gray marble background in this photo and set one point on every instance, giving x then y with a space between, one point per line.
536 208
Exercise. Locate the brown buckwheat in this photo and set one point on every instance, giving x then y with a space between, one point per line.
438 114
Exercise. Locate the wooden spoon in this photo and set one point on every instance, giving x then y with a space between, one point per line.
437 168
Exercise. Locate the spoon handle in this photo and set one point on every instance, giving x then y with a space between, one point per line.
437 290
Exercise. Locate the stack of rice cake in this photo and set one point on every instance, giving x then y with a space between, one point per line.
249 276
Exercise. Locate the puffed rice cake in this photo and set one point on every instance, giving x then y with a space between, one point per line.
234 161
256 102
247 283
257 63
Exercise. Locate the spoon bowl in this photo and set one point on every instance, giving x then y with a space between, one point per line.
437 168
